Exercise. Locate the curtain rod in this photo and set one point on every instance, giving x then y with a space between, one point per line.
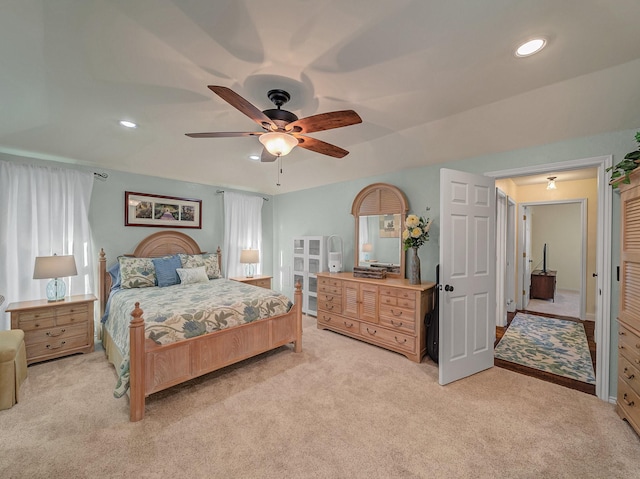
221 192
103 176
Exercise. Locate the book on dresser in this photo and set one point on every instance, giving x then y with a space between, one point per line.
386 312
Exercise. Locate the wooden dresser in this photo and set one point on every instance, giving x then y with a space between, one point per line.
386 312
628 402
55 329
543 285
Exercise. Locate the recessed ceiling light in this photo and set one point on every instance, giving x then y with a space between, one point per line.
128 124
254 157
531 47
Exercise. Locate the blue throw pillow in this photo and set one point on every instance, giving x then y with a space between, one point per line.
166 270
114 272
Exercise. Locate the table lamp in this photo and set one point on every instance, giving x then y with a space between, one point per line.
55 267
249 257
367 249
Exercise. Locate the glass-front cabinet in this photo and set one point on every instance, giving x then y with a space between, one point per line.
309 258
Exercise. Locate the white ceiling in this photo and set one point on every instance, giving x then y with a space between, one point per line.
434 81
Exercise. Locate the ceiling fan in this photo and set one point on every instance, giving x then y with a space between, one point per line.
282 129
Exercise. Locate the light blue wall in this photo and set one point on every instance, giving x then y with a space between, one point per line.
106 213
326 210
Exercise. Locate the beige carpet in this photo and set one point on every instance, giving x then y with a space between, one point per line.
340 409
565 303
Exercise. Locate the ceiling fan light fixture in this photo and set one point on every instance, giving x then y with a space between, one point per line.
551 185
278 143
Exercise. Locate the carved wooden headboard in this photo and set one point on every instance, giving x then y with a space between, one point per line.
163 243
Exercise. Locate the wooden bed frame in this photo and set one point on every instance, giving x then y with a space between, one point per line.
155 367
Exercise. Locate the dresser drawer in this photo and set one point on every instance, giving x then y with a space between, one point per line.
628 401
58 332
397 292
629 374
629 345
56 345
339 322
397 314
330 306
396 339
71 309
262 283
37 314
324 281
405 325
328 289
35 324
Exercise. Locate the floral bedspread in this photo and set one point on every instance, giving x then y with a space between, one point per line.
179 312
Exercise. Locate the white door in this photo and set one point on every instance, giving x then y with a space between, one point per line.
526 255
467 269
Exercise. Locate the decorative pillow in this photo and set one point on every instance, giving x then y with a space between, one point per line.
166 270
114 272
211 265
210 261
136 272
191 260
193 275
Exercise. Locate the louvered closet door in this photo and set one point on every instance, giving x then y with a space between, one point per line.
630 273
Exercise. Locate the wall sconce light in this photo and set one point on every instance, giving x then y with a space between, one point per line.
551 185
249 257
55 267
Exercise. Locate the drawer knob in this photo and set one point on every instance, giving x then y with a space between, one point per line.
622 333
627 375
400 342
62 343
626 401
348 325
372 334
53 335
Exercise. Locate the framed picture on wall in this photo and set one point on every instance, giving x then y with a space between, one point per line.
389 226
143 209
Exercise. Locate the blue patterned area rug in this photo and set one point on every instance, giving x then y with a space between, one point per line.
548 344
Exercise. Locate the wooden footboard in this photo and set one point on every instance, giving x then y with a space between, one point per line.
156 367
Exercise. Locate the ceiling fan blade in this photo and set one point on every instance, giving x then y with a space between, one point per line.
320 146
224 134
236 101
324 121
267 157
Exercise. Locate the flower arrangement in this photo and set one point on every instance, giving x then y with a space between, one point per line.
416 231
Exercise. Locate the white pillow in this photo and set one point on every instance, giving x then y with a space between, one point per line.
192 275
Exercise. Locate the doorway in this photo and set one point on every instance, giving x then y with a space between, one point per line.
602 270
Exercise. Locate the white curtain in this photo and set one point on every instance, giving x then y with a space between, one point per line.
45 211
242 230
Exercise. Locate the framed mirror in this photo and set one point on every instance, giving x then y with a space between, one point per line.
380 210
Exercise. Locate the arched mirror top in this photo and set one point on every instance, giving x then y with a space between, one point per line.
380 210
380 199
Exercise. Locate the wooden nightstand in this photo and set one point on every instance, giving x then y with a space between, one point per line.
258 280
55 329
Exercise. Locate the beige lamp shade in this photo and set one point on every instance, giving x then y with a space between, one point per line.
367 247
47 267
55 267
249 256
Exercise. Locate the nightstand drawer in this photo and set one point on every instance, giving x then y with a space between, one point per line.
37 314
55 346
58 332
35 324
262 283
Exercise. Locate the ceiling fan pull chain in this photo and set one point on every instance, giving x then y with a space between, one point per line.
279 169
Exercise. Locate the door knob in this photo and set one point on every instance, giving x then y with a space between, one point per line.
594 274
448 288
